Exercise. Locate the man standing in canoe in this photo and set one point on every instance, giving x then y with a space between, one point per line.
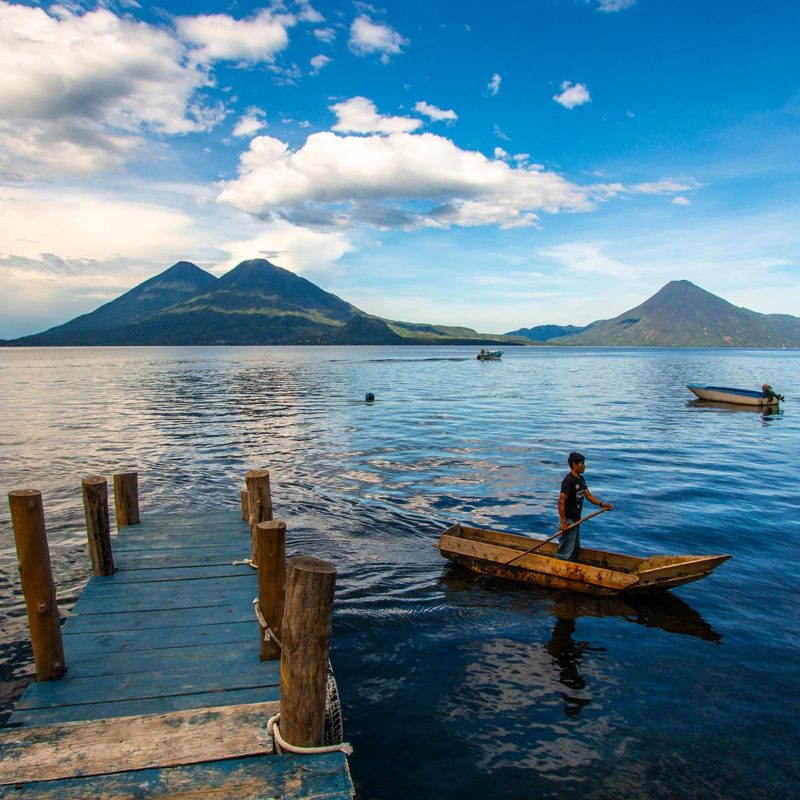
570 506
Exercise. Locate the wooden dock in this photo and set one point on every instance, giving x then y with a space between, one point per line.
164 694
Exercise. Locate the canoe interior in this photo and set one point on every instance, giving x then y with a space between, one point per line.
598 572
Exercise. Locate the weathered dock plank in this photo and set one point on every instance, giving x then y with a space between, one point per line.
223 656
150 620
128 708
323 777
147 559
199 589
93 644
236 673
127 598
176 573
76 749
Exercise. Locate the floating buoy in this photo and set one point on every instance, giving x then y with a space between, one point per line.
370 398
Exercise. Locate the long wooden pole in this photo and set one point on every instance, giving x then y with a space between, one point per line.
38 587
540 543
126 498
259 502
271 560
98 530
245 504
307 620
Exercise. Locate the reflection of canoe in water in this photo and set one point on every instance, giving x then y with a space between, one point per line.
598 571
726 394
659 610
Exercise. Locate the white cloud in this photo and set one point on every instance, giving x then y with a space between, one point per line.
326 35
572 95
383 181
367 37
217 37
434 113
587 257
666 186
87 226
252 122
320 61
493 86
359 115
78 89
308 13
289 246
681 201
614 5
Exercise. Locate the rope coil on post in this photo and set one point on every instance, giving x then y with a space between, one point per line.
268 633
333 734
275 732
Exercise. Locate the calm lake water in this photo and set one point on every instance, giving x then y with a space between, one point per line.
451 688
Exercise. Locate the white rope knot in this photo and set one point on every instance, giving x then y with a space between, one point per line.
275 732
268 633
248 561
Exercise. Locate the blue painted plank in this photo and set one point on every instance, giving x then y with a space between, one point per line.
145 620
319 777
147 705
176 531
168 544
97 644
171 573
107 587
146 559
222 656
191 679
128 602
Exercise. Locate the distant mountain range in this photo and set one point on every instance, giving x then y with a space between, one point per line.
681 314
259 303
544 333
254 303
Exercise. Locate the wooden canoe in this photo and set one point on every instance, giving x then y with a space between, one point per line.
598 572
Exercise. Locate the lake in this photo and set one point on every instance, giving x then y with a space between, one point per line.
452 688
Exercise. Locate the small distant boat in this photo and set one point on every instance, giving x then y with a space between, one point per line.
744 397
489 355
598 572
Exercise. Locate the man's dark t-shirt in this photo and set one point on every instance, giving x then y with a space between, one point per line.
575 489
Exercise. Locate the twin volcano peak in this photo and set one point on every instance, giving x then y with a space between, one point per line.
254 271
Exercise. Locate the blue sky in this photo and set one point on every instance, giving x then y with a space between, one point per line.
495 165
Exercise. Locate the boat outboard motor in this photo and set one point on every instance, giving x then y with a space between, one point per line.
769 393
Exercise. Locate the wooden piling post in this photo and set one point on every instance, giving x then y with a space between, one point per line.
126 498
245 504
98 530
259 502
38 588
307 619
271 560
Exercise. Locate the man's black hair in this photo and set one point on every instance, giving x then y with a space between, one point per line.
575 458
